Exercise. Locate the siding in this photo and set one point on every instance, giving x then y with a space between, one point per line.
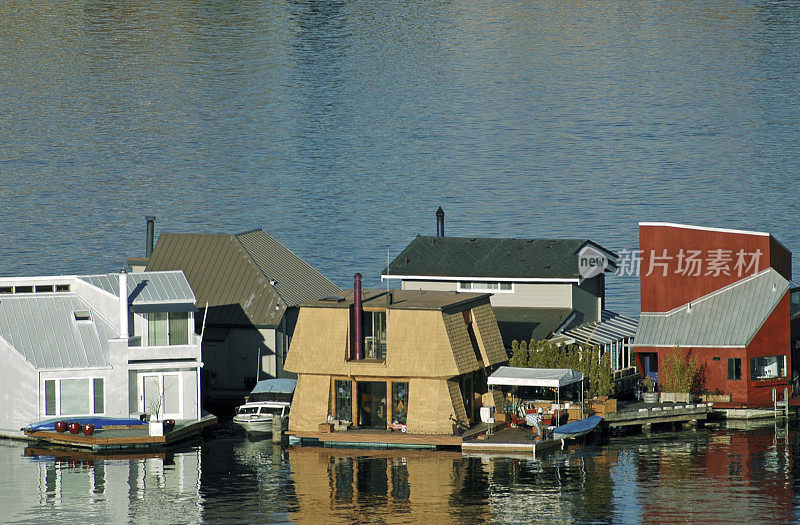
460 343
488 335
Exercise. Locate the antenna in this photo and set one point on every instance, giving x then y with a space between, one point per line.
387 266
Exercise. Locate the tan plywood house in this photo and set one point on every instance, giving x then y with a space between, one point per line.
379 359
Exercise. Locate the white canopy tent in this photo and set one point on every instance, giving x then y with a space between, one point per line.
544 377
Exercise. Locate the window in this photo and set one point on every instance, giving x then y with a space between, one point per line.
768 367
74 397
343 394
399 402
375 335
167 328
734 368
485 286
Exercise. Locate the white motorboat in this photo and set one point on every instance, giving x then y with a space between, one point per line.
267 407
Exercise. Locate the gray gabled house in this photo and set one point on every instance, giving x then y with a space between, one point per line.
252 285
536 286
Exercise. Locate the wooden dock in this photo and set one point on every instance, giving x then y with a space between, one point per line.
662 414
374 439
121 438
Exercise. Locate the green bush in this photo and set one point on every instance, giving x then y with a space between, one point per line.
681 372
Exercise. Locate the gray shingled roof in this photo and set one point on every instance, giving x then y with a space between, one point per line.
169 287
234 274
528 324
728 317
490 257
44 330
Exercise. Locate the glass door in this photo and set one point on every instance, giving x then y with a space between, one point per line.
372 404
160 394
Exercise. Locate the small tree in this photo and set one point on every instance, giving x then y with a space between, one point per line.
519 358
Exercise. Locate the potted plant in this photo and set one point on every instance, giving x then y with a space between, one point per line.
156 425
650 395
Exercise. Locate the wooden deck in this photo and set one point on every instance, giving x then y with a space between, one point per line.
645 416
116 438
376 439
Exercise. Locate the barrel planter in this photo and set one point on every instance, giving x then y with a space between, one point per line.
650 397
74 427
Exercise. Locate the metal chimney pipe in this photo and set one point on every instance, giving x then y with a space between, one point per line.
440 222
358 313
151 227
123 304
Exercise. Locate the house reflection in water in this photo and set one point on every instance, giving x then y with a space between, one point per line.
111 489
389 485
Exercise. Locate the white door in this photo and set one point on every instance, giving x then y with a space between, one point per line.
161 393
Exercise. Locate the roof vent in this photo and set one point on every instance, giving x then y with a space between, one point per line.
689 308
82 315
774 287
332 299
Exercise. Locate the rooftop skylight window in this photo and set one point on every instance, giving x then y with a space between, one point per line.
82 315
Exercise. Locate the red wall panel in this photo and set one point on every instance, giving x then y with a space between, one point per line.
666 283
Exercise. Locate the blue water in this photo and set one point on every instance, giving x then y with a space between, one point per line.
340 127
719 476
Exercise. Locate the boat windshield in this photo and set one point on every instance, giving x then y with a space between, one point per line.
271 410
248 410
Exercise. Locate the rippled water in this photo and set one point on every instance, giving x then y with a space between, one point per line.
340 126
724 476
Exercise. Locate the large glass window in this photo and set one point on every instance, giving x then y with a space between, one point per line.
157 329
179 328
734 368
375 335
75 396
343 410
768 367
399 402
165 328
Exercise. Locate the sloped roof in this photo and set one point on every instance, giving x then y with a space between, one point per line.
249 278
612 327
402 299
44 330
491 258
529 324
168 287
728 317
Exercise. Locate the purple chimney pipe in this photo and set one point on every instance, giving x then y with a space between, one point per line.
358 351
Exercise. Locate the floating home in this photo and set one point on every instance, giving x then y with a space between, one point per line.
115 345
252 286
723 295
536 284
415 361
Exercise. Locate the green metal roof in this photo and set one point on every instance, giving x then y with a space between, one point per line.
491 258
246 279
728 317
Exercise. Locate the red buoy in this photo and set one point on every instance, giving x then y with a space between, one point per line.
74 427
88 428
61 426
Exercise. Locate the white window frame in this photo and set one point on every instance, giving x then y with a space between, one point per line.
471 288
58 380
145 328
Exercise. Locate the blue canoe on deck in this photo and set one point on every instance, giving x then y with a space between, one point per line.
577 428
98 422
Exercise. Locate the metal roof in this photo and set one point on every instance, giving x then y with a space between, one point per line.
612 327
728 317
552 377
44 330
491 257
169 287
246 279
